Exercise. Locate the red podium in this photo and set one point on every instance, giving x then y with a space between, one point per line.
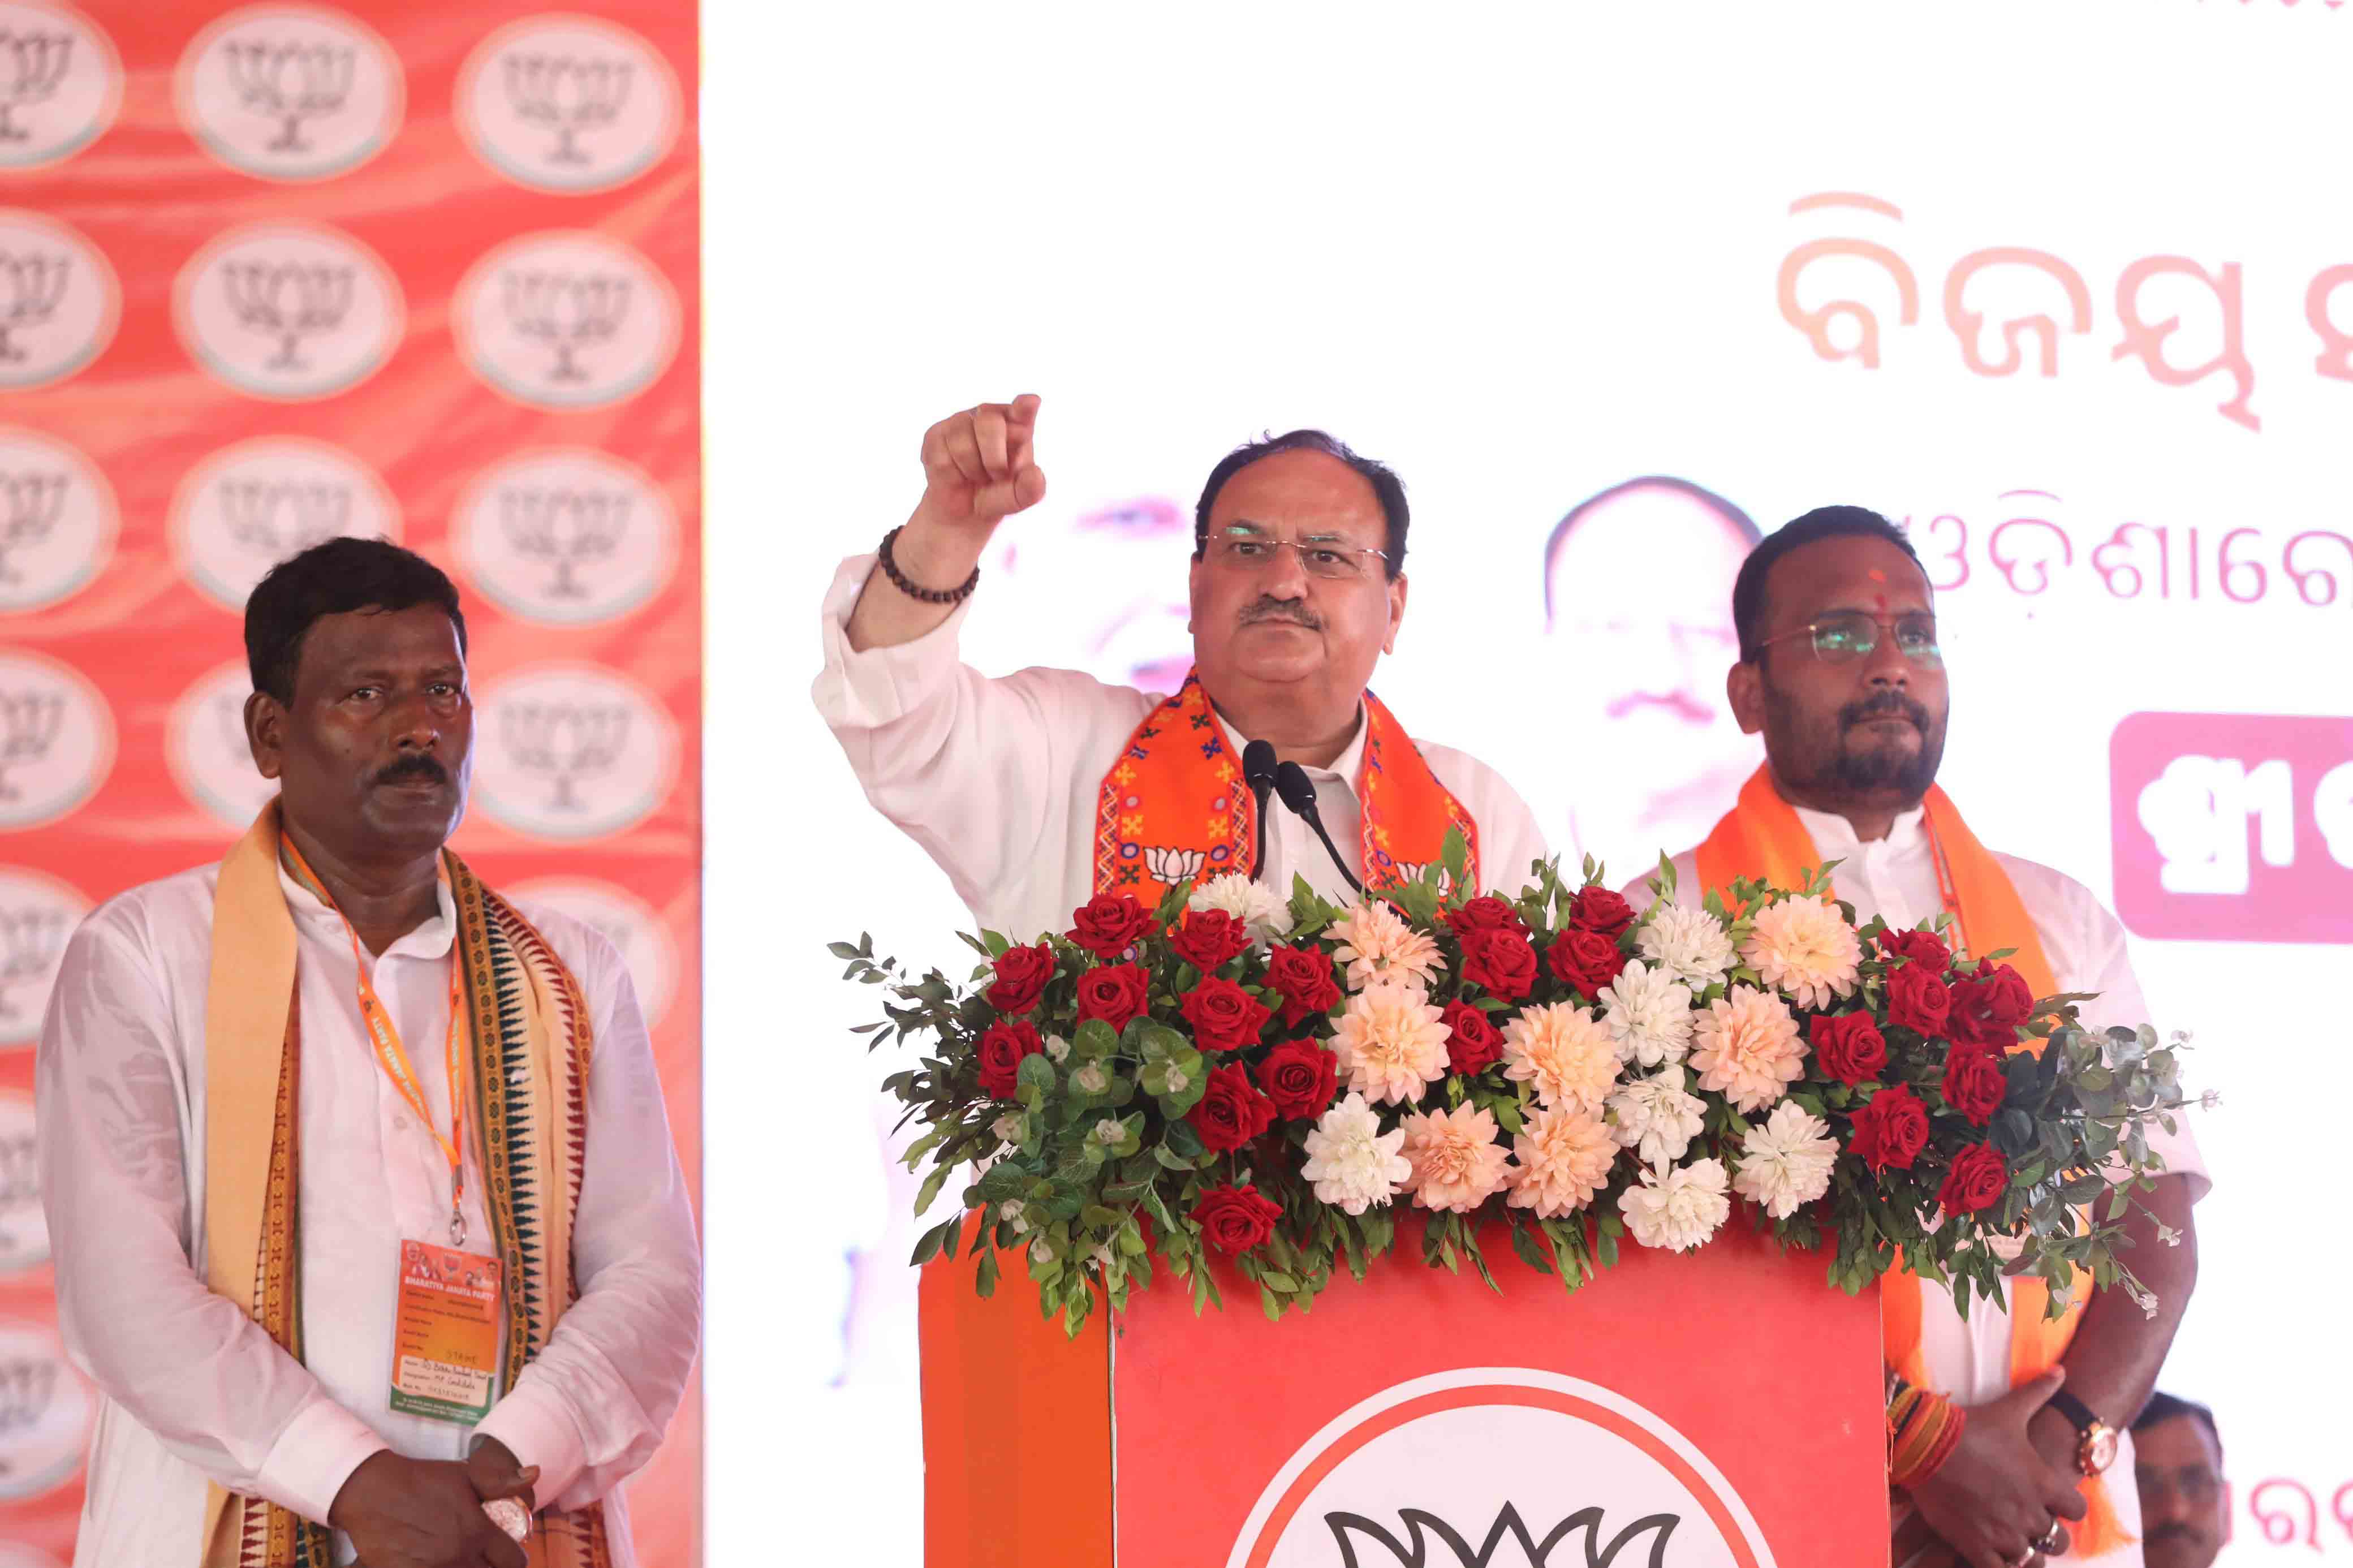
1720 1408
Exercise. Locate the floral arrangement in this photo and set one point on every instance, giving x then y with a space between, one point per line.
1228 1074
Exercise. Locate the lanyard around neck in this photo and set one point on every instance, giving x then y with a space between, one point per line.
393 1057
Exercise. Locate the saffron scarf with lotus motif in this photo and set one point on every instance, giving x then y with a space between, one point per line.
1174 807
529 1043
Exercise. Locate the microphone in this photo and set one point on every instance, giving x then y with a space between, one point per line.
1298 792
1258 771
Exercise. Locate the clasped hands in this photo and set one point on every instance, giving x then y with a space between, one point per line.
427 1513
2001 1500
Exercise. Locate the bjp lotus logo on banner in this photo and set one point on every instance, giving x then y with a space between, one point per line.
205 744
288 313
566 536
566 318
61 83
623 918
57 739
291 92
247 506
568 752
37 913
45 1412
1499 1468
23 1228
57 520
568 104
59 302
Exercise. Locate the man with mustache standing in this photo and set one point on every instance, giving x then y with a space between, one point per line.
366 1218
1040 790
1842 672
2185 1505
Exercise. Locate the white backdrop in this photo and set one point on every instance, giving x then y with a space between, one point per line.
1525 257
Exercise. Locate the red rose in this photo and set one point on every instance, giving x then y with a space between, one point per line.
1975 1083
1209 938
1230 1112
1890 1133
1924 948
1599 910
1224 1016
1110 924
1235 1219
1116 995
1976 1180
1849 1045
1304 976
1472 1044
1021 976
1300 1077
1486 913
1585 961
1002 1045
1917 998
1499 960
1987 1008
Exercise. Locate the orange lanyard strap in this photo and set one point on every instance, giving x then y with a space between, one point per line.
393 1057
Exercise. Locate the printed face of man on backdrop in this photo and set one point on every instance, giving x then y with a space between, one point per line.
1112 582
1637 595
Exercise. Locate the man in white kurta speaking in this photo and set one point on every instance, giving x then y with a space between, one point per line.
367 1221
1842 672
1040 790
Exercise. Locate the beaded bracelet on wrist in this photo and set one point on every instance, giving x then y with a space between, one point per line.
900 581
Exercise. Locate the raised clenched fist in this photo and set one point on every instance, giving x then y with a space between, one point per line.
981 466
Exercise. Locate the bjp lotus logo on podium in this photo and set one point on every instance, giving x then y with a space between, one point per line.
61 83
288 313
566 320
45 1412
57 520
569 752
568 104
59 302
23 1228
291 92
57 739
249 506
566 536
1499 1468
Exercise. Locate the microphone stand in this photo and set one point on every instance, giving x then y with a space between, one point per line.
1298 792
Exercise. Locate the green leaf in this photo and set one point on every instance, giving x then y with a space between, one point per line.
985 1280
1180 1139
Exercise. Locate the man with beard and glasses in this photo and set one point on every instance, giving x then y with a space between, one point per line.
2185 1507
1044 788
366 1218
1842 672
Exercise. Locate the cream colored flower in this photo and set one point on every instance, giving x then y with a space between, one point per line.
1565 1157
1391 1043
1677 1209
1252 902
1749 1048
1657 1117
1784 1162
1649 1015
1804 947
1688 942
1376 943
1565 1053
1457 1163
1354 1164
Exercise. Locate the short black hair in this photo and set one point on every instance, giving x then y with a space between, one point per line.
1742 524
334 578
1824 522
1380 476
2163 1406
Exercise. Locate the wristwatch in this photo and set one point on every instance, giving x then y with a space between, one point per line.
2095 1449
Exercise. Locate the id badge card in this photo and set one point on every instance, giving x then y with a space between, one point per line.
445 1337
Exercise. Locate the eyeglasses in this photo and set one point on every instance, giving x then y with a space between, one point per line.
1330 559
1846 636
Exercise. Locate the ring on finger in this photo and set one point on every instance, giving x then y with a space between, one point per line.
2054 1540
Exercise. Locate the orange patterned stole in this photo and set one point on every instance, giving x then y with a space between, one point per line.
1173 806
1762 836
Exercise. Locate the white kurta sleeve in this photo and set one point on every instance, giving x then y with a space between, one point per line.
976 770
594 1405
116 1124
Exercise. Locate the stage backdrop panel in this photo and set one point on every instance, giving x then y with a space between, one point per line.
273 273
